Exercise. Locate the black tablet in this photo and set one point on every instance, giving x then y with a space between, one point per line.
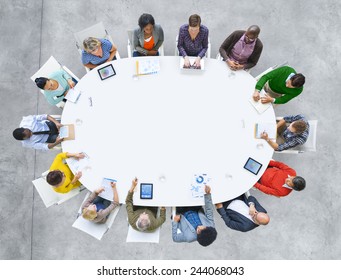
106 72
253 166
146 191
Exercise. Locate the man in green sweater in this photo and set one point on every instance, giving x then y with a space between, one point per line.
281 85
143 218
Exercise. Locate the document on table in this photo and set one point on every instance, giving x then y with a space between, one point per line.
79 164
64 131
147 66
107 194
73 95
259 106
269 128
198 185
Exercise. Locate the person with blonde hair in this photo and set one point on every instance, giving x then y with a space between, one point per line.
97 51
97 209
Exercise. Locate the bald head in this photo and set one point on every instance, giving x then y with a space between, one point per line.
262 218
254 30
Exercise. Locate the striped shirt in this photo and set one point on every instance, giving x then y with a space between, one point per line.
96 60
196 47
293 139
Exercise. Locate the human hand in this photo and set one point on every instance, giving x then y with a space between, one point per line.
197 62
252 210
239 66
58 125
99 190
218 205
113 184
207 189
78 175
152 52
163 208
256 95
264 136
177 218
267 99
133 184
59 140
71 83
79 156
233 65
187 64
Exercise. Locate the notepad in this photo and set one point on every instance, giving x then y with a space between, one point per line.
269 128
67 131
259 106
73 95
108 192
147 66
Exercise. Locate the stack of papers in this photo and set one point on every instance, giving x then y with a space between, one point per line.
198 185
269 128
147 66
259 106
79 164
107 194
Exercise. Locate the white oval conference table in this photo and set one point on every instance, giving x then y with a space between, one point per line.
165 128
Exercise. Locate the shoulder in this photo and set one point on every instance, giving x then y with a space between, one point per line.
158 27
203 28
184 28
106 43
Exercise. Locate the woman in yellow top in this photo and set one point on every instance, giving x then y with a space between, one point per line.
60 175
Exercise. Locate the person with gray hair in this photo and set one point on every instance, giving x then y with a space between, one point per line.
143 218
242 49
97 51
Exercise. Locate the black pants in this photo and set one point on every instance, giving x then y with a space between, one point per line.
183 210
54 132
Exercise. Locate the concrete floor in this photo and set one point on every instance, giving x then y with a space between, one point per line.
304 225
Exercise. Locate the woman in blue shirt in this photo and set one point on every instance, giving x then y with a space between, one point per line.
56 86
97 51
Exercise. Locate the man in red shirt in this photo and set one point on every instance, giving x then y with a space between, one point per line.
279 180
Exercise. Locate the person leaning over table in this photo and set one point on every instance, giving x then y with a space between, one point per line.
97 51
242 49
193 224
97 209
243 213
39 132
279 180
143 218
289 137
193 40
281 85
56 86
148 38
60 176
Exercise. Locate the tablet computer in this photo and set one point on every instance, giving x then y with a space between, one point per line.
146 191
106 72
253 166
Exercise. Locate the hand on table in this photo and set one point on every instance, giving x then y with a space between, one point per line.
256 95
59 140
71 83
267 99
187 64
152 52
113 185
78 175
196 63
79 156
99 190
207 189
264 136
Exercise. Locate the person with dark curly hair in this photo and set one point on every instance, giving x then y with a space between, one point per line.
195 223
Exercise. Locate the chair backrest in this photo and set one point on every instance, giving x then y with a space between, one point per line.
49 196
50 66
130 48
270 69
95 230
138 236
207 55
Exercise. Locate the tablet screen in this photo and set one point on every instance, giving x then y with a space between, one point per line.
106 72
146 191
253 166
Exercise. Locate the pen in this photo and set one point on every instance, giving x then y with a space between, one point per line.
137 67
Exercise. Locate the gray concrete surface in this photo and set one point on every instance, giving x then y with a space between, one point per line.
304 225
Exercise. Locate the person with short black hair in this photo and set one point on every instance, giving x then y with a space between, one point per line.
281 85
97 51
38 132
279 180
60 176
242 49
55 86
291 130
243 213
193 224
148 37
193 40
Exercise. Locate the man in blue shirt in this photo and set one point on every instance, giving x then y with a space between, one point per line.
192 223
38 132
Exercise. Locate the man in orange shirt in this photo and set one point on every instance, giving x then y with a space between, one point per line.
279 180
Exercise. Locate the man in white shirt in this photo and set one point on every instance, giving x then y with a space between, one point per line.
38 132
242 213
